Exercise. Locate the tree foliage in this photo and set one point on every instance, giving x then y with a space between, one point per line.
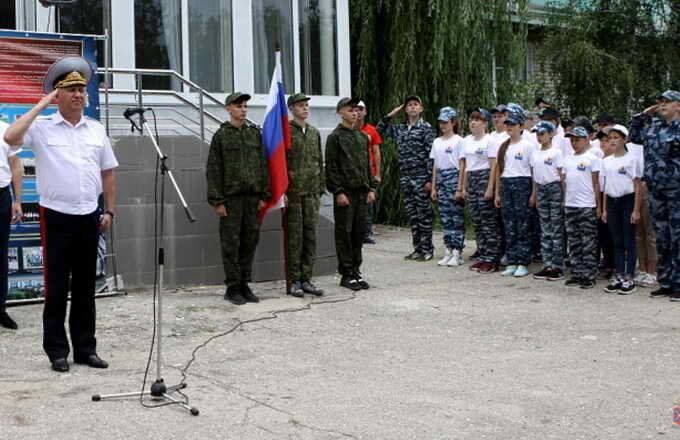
442 50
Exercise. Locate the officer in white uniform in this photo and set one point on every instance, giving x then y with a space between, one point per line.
74 165
10 212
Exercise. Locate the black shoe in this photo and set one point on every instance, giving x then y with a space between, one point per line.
675 296
248 294
7 322
362 283
661 292
555 275
587 284
369 240
627 287
427 256
296 289
233 295
543 274
60 365
310 288
411 256
614 285
92 360
573 282
350 283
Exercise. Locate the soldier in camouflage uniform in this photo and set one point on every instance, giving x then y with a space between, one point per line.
349 179
661 140
414 139
238 186
305 187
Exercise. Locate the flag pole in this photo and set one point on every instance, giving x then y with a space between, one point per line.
284 213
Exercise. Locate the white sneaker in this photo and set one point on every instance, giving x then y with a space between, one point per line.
456 259
445 259
648 281
640 277
504 260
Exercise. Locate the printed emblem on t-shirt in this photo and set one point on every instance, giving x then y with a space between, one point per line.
480 151
581 166
548 161
449 149
622 170
519 156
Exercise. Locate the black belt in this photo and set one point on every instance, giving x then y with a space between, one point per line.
3 189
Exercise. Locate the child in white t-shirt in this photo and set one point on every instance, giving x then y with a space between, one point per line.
546 165
621 208
447 150
513 192
581 209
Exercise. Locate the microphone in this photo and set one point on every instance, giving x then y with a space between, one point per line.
133 111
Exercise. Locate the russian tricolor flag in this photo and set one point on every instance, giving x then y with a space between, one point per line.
276 139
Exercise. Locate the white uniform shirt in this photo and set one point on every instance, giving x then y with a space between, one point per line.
5 153
547 165
518 159
477 152
637 151
69 162
447 152
619 173
578 174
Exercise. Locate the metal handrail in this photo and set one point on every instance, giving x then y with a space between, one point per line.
139 73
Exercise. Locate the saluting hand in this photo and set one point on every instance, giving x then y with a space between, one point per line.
396 110
650 110
47 99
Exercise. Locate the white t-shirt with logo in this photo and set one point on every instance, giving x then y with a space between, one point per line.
447 152
578 172
619 173
547 165
477 152
517 159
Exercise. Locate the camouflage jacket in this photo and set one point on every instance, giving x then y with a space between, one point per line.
237 164
305 161
413 145
347 164
661 148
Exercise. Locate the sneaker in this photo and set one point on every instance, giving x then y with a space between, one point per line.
640 277
509 271
248 294
456 258
614 285
587 284
627 287
310 288
487 268
648 280
445 259
410 256
521 271
675 296
475 255
427 256
359 279
660 292
543 274
475 266
296 289
504 260
573 282
555 275
233 295
350 283
369 240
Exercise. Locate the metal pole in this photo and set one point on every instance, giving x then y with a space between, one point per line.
200 105
139 89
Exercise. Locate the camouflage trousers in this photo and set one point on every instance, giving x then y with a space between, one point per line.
582 234
515 195
451 212
239 234
301 217
418 211
484 216
665 210
551 216
350 226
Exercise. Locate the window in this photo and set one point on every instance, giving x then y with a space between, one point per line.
210 47
8 15
318 47
158 40
272 25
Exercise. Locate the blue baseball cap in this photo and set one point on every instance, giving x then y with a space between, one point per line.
544 127
577 131
515 114
447 113
482 111
500 108
671 95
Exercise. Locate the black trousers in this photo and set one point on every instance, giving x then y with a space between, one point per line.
69 253
5 219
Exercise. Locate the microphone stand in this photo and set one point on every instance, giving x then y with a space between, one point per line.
159 390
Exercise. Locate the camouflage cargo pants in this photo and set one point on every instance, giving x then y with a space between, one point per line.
551 215
515 194
582 234
664 208
350 226
301 218
418 211
484 217
451 212
239 234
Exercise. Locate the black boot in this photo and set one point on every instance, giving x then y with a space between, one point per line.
233 295
248 294
296 290
7 322
310 288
